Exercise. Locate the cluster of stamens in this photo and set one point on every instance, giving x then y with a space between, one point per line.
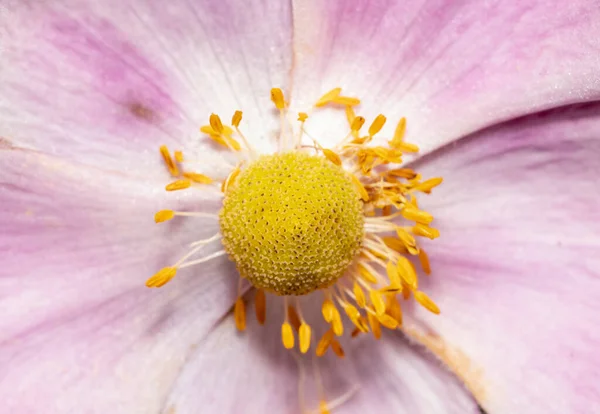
384 271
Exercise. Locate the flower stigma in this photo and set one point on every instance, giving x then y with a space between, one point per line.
338 222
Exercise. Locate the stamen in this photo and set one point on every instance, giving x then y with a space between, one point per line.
302 116
162 277
361 189
346 100
260 306
427 186
240 314
366 275
426 302
163 215
350 115
304 337
332 156
236 119
409 212
357 124
328 97
393 275
336 347
203 260
324 343
398 134
377 301
359 295
294 318
426 231
198 178
215 123
277 98
178 156
375 326
377 124
171 166
424 262
230 179
287 335
178 185
387 321
394 309
407 272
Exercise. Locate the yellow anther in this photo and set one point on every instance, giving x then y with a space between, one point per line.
336 347
215 123
302 116
328 97
163 215
359 295
407 272
239 313
406 147
277 98
304 337
394 309
350 115
327 308
403 173
294 318
178 185
387 321
424 260
393 275
324 343
332 156
377 301
377 124
236 118
409 212
357 123
323 408
365 274
426 231
337 325
198 178
171 166
346 100
230 179
287 335
408 240
398 134
426 302
260 306
355 333
218 139
427 186
178 156
354 316
364 195
386 210
162 277
375 325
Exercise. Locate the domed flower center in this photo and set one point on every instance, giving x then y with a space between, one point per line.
292 223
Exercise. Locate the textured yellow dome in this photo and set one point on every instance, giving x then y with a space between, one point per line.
292 223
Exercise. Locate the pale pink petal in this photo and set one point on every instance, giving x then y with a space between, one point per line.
79 330
450 67
107 82
251 372
516 271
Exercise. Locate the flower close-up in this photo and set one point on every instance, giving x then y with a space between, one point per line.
310 206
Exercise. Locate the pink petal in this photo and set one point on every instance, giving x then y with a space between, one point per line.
251 372
516 272
107 82
450 67
79 330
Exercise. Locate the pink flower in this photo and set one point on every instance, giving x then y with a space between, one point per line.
500 97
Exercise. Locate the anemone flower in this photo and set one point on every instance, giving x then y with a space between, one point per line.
301 200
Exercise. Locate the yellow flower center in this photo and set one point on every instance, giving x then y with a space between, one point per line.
292 223
339 220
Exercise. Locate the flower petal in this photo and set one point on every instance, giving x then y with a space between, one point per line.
450 67
251 372
104 82
79 330
516 272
